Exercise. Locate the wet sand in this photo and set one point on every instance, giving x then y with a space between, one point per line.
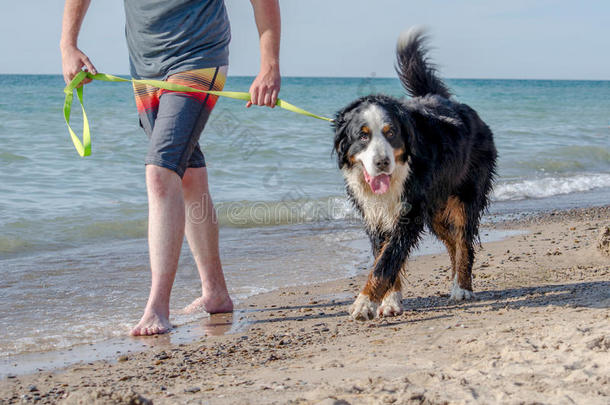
539 332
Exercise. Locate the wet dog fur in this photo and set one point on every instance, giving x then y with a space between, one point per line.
428 161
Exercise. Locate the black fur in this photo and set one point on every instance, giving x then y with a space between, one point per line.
449 149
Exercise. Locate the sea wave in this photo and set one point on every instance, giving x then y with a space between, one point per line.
246 214
549 186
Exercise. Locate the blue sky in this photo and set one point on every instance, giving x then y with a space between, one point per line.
545 39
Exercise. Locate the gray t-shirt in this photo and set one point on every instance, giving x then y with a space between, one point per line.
170 36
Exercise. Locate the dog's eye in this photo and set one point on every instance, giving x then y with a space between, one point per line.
364 136
389 134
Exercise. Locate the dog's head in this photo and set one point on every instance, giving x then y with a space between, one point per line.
371 135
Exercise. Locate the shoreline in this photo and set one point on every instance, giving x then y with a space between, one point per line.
188 331
297 343
194 327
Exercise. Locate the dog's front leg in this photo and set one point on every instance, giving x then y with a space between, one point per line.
391 305
384 277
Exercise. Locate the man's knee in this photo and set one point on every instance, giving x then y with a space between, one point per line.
194 178
161 181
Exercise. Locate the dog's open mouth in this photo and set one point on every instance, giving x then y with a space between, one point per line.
379 184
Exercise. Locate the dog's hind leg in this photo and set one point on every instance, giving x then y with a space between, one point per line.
441 229
451 227
462 279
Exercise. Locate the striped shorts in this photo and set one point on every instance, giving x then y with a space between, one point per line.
173 121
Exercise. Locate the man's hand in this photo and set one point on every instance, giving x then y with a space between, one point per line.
72 61
72 58
265 87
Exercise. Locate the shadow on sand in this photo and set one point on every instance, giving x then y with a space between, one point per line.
594 294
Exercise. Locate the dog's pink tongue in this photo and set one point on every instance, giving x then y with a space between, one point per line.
379 184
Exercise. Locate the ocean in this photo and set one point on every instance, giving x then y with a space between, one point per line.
73 252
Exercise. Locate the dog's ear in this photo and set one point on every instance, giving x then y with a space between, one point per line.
341 143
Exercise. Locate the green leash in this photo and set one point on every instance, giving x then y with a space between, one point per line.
84 147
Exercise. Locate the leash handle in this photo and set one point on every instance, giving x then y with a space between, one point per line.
84 147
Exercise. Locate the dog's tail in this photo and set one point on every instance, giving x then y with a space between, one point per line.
416 73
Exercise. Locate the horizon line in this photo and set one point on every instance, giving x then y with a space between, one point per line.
349 77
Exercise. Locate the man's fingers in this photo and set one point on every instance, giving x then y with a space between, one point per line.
274 98
267 100
249 104
70 75
85 80
89 66
263 95
73 62
260 100
253 95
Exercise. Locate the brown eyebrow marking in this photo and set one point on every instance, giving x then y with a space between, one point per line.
365 129
386 128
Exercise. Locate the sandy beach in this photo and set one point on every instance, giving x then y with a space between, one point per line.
539 332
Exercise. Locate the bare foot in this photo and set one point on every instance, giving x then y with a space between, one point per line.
218 305
151 324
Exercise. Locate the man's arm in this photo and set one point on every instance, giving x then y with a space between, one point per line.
72 58
266 86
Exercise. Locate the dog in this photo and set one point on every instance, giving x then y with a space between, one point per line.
428 161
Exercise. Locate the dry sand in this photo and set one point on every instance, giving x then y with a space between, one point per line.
539 332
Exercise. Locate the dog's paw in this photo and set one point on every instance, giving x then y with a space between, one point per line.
391 305
363 308
460 294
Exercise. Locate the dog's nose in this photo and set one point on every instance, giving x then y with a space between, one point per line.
382 163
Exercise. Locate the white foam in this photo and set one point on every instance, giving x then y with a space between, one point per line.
549 186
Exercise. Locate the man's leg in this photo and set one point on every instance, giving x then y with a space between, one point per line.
165 236
174 122
202 235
